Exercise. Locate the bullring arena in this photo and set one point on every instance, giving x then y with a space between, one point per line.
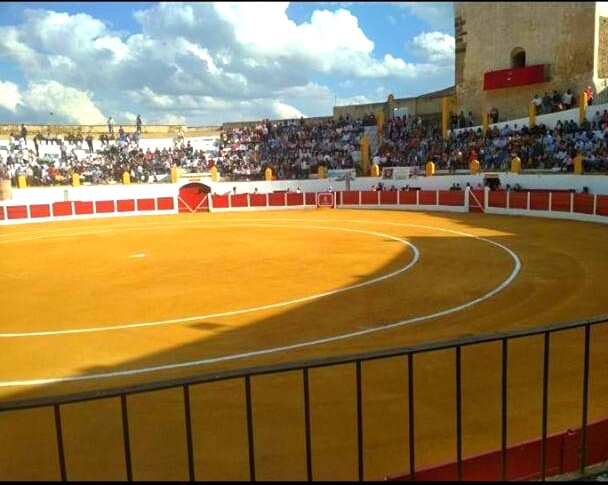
95 307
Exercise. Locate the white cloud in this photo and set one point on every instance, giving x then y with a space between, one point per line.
9 95
202 62
282 110
68 102
439 15
435 47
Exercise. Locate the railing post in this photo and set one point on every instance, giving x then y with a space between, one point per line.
188 422
503 411
585 400
250 428
543 443
125 436
410 412
528 202
60 447
307 426
459 412
359 422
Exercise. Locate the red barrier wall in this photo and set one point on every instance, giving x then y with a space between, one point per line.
427 197
539 201
389 197
81 208
40 210
602 205
104 206
524 460
125 205
165 203
369 197
408 197
145 205
62 209
16 212
583 203
238 200
451 198
350 198
497 198
518 200
560 201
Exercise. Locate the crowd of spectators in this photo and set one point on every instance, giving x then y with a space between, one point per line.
293 149
105 165
409 143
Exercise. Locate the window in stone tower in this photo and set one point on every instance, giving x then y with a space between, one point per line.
518 57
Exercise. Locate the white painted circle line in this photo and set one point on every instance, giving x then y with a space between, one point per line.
49 333
255 353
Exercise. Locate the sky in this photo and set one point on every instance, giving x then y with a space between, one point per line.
203 64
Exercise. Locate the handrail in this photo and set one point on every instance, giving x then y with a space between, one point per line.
293 366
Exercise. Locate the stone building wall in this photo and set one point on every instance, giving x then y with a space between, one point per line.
560 34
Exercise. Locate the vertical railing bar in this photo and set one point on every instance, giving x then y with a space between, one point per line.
543 456
250 428
359 422
307 426
459 412
60 448
410 399
503 425
125 435
585 399
189 441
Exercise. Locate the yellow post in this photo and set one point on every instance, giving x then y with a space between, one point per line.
21 182
321 173
126 178
430 169
379 121
174 174
516 164
213 174
75 180
375 170
582 107
578 164
474 167
267 174
485 120
445 116
531 114
364 156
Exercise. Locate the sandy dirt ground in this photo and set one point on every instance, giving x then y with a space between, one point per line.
90 305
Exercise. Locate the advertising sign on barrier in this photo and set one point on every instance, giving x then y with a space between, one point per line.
397 173
342 174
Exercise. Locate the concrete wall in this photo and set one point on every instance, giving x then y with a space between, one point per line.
560 34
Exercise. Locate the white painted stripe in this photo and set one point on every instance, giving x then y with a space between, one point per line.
255 353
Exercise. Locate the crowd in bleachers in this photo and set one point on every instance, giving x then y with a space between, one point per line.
410 144
74 153
293 149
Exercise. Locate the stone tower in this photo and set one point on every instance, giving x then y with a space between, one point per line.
508 52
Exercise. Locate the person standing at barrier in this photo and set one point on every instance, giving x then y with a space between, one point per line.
24 134
138 124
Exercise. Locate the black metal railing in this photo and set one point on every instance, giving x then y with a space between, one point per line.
246 375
